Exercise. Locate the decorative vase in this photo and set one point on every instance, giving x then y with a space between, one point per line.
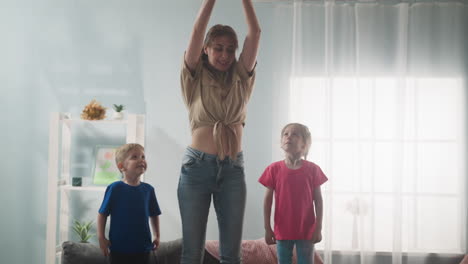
76 181
117 116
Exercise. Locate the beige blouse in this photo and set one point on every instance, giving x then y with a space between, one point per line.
217 99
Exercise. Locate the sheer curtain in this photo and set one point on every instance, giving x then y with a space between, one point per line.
382 87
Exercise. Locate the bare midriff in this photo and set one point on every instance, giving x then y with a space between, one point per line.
203 140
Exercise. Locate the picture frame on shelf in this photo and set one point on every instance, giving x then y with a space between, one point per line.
105 170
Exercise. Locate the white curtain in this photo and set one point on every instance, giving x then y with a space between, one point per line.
382 86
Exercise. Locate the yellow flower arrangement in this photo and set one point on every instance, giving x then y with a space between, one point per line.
93 111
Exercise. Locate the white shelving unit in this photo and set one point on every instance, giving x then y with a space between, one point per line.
59 173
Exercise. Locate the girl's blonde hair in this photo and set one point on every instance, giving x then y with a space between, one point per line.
304 133
122 152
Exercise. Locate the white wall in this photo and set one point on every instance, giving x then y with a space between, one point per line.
58 55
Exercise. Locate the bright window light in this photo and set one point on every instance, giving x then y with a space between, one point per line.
393 149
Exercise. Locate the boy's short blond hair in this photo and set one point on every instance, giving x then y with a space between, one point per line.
122 151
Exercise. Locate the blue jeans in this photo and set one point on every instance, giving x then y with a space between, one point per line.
202 177
304 251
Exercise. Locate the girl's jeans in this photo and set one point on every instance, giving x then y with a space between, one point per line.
304 251
202 177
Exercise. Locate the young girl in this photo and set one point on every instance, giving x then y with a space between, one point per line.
298 199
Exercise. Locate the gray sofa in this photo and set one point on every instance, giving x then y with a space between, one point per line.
87 253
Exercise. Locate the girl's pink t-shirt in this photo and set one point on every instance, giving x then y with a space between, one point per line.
294 193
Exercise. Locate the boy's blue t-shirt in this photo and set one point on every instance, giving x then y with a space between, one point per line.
129 208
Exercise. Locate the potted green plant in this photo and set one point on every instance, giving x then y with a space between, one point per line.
118 111
82 229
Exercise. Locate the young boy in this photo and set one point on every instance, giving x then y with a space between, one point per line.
130 203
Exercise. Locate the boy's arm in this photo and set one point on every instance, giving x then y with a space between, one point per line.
101 227
155 227
318 205
268 201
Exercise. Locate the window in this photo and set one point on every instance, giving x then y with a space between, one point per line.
393 149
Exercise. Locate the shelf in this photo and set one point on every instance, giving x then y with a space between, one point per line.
83 188
105 121
62 132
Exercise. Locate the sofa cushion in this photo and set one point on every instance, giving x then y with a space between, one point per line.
79 253
169 252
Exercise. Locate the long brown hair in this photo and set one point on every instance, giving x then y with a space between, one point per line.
218 31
